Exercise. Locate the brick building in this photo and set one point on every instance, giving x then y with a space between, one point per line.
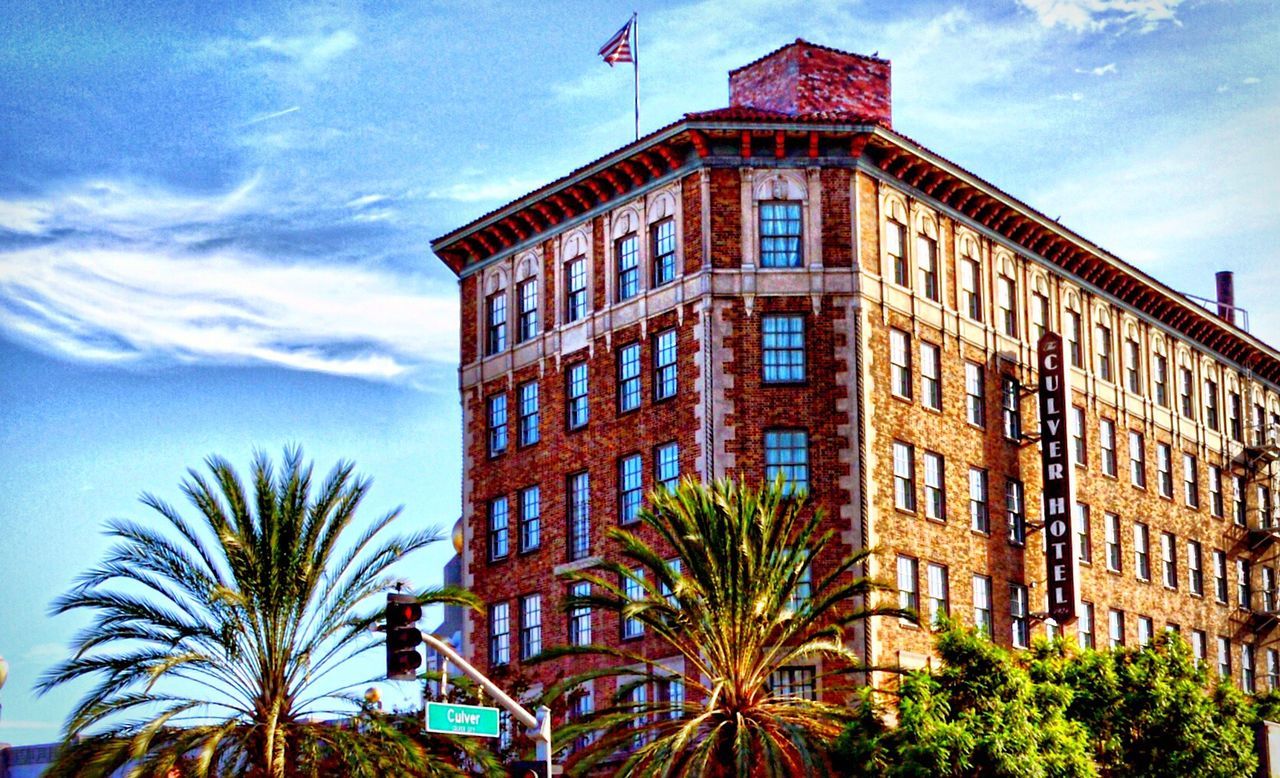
787 284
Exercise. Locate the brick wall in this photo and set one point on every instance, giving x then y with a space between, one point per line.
802 78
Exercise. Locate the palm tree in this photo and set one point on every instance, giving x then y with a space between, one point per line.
732 602
213 640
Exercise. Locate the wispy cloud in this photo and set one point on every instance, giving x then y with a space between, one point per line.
310 51
479 191
1101 70
274 115
1098 15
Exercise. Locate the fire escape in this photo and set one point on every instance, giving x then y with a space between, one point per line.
1258 461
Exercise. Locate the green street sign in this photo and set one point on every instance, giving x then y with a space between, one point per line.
462 719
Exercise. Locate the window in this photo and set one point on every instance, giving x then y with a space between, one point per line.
1107 443
1248 681
579 499
1238 510
978 518
576 389
1084 534
1195 569
496 323
1211 404
529 413
1084 625
633 590
1039 315
1115 628
1185 399
1142 551
1169 559
971 288
668 593
1115 554
927 259
783 348
1102 342
664 365
982 603
939 593
1133 366
1224 657
904 476
1021 624
908 587
1190 488
500 634
930 376
1006 302
975 398
935 497
530 626
804 587
1010 407
1199 644
1145 629
1220 576
630 488
580 616
794 682
895 236
1273 669
1161 380
1075 426
786 454
627 251
528 293
1269 589
1164 470
1259 424
629 377
530 518
499 528
900 363
1264 506
662 236
1137 460
1234 424
497 424
673 689
576 298
780 234
1243 588
1074 346
666 465
1016 513
1216 505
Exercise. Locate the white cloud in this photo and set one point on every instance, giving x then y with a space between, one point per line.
1251 80
480 191
368 199
312 52
1102 70
1074 97
1098 15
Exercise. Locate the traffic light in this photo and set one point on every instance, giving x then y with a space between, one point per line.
403 637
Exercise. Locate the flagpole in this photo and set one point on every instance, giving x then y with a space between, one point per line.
635 63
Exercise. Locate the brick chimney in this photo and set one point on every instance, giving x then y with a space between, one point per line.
803 78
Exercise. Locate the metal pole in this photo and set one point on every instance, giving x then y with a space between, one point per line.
635 64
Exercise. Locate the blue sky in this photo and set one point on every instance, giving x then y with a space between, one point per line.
214 218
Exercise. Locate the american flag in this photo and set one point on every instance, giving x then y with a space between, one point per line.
618 48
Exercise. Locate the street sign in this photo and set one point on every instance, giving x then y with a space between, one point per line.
451 719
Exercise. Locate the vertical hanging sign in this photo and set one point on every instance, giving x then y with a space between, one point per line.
1061 552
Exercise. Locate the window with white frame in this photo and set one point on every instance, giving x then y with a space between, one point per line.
1264 506
939 593
580 616
895 241
497 424
1115 553
1211 416
630 488
1142 551
1115 628
935 499
1102 346
1146 629
900 363
1169 559
633 590
499 528
530 626
1220 576
1084 625
1007 304
908 583
1244 589
1238 508
1084 533
1195 568
975 394
662 241
782 346
1248 681
530 518
627 252
781 233
971 287
1075 346
1160 379
792 681
1235 426
666 465
1224 657
496 323
1164 470
1107 446
927 261
1018 612
930 376
1137 460
579 494
786 454
1186 396
904 476
1273 669
528 295
575 289
1216 505
1075 427
1039 315
1015 511
500 634
979 520
628 377
529 413
1268 589
665 381
1199 645
1011 407
1133 365
1190 484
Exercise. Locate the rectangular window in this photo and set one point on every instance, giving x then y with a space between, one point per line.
666 465
1273 669
500 634
1133 366
576 290
1006 301
798 682
529 413
1216 505
1234 423
927 259
630 488
930 376
528 293
786 454
579 500
1269 589
1238 508
1102 342
499 528
780 234
1244 592
627 251
1039 316
1115 553
1248 681
1084 534
576 389
633 591
908 586
1259 424
1169 559
1115 628
1074 345
1021 623
580 616
530 626
1211 404
1190 485
628 377
1164 470
1220 576
900 363
664 365
803 590
1186 399
496 323
935 498
1084 626
982 603
1145 630
1142 551
1016 512
662 237
1199 644
904 476
979 520
1224 657
782 347
1011 408
895 235
1137 460
1161 380
1195 568
971 288
1075 426
939 593
530 518
975 394
1264 506
1107 443
497 424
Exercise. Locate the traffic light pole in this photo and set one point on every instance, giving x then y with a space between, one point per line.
539 726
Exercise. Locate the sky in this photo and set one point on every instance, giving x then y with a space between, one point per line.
215 217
